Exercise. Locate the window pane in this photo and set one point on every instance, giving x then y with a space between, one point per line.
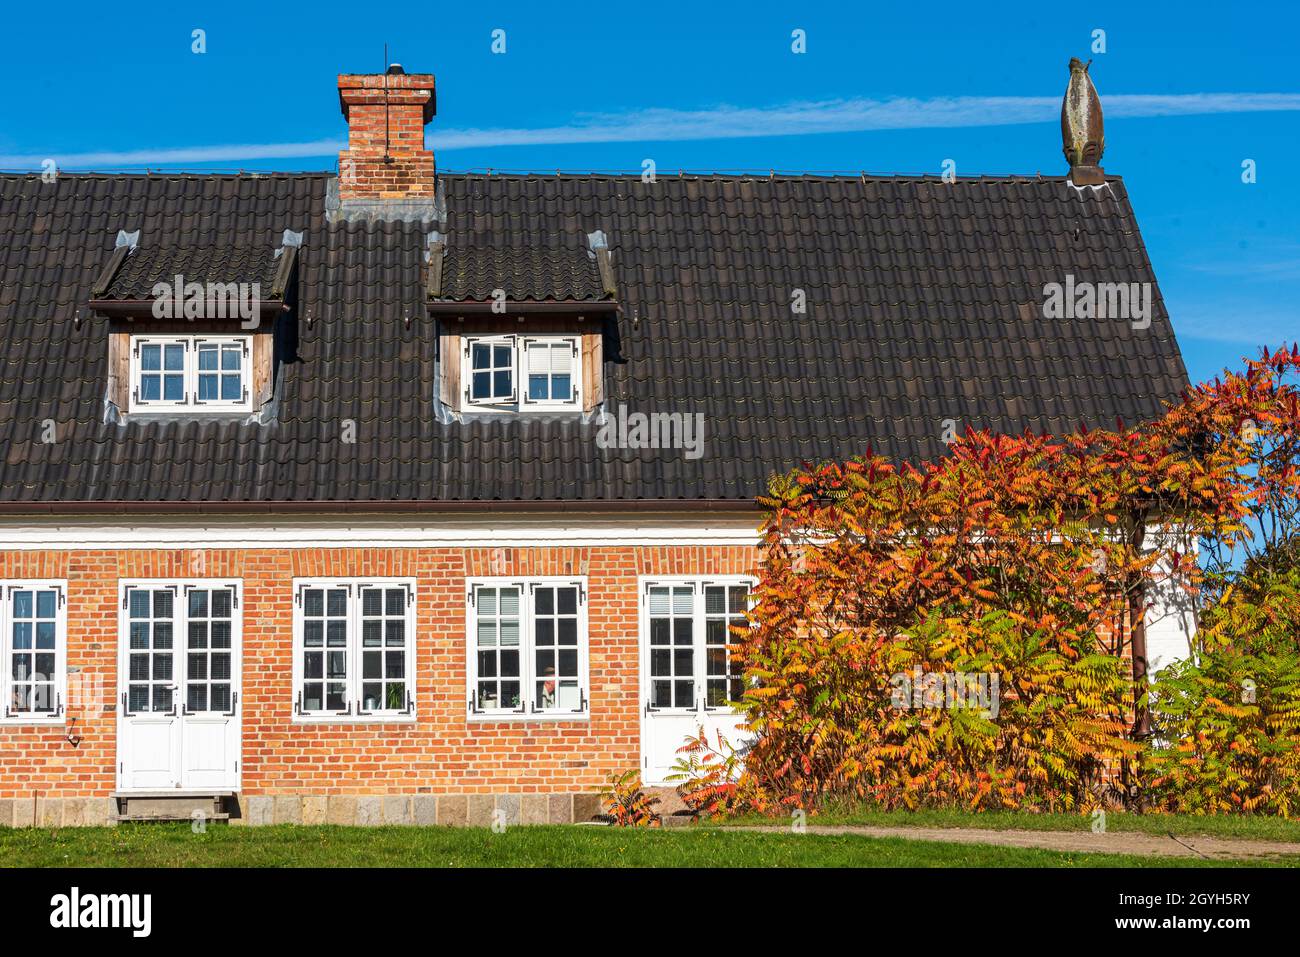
395 632
150 388
501 387
173 388
538 388
208 358
544 631
480 356
232 358
220 634
220 666
231 389
509 633
46 602
151 358
173 357
561 389
207 388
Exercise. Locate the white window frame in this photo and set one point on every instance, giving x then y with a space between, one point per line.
180 621
354 713
528 710
699 616
190 373
60 676
518 399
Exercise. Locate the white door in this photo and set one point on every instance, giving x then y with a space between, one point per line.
178 703
687 676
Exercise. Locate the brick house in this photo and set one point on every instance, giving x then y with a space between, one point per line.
397 495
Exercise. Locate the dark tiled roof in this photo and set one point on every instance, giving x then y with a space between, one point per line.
538 273
922 306
147 265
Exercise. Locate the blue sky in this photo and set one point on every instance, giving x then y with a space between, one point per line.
1189 94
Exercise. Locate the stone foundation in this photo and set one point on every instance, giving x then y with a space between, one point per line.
448 810
58 812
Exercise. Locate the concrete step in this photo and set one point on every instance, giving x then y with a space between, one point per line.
166 806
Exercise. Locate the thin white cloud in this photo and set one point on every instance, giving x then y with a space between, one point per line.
722 122
1253 324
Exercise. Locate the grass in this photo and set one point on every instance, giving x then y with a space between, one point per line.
1183 825
173 845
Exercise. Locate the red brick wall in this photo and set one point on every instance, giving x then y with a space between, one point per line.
442 753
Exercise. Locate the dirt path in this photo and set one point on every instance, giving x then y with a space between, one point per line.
1114 842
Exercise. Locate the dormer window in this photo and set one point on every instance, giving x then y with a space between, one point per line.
551 372
552 366
521 329
196 330
170 373
491 370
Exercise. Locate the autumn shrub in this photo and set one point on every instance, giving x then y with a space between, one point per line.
1227 720
626 802
1021 560
706 775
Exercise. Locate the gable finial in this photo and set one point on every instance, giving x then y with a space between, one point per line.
1082 132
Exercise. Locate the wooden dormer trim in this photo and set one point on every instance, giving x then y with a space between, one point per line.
120 331
109 272
590 330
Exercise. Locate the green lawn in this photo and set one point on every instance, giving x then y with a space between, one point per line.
173 845
1183 825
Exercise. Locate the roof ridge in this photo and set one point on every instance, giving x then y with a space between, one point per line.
753 175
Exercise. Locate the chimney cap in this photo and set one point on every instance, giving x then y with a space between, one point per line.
395 84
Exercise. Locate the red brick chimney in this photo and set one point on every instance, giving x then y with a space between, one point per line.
386 114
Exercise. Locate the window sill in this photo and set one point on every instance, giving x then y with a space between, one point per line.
511 717
353 719
57 721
